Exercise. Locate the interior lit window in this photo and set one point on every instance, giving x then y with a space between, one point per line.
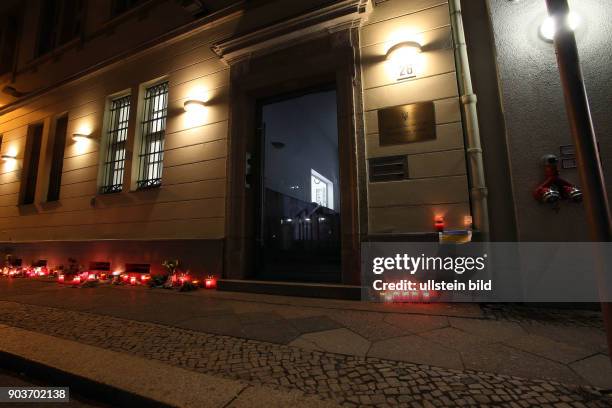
322 190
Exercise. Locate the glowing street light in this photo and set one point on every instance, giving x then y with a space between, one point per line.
548 29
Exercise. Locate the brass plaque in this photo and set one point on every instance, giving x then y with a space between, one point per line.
407 124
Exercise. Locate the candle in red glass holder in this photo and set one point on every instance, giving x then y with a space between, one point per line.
210 282
76 280
133 280
125 278
60 278
92 277
439 223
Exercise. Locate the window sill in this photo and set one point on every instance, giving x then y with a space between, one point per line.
102 191
145 188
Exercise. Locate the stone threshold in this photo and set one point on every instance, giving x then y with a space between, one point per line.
300 289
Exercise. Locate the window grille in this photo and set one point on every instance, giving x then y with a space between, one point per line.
153 132
114 164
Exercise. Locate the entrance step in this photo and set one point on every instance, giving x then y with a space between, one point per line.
315 290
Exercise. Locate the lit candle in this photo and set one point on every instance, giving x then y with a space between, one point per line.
210 282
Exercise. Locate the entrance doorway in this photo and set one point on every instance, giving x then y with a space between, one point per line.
298 188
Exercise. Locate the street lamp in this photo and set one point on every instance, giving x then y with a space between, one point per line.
548 29
587 153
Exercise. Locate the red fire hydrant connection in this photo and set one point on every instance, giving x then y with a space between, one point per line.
555 188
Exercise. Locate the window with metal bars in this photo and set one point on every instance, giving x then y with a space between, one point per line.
153 130
114 163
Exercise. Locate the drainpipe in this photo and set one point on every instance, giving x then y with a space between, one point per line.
478 187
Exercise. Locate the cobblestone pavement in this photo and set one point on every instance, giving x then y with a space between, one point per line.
349 380
526 314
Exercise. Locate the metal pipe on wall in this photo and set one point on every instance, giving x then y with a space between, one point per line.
478 187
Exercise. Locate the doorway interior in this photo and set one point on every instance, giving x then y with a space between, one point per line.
298 208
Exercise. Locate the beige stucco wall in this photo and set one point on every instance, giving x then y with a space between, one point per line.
437 171
191 202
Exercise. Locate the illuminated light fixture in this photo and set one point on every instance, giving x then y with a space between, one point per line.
80 137
8 157
194 106
404 56
548 29
439 223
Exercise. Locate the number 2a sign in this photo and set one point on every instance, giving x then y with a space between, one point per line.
406 71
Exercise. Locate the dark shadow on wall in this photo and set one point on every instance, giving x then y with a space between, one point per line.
481 53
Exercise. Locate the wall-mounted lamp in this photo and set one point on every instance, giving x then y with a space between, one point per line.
404 56
548 29
194 105
80 137
8 157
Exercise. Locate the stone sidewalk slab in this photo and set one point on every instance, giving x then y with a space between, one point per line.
148 378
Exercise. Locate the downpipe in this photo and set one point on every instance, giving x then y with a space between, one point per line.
476 176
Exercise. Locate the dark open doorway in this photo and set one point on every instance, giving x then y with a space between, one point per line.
330 61
298 188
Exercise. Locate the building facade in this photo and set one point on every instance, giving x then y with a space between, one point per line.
260 139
